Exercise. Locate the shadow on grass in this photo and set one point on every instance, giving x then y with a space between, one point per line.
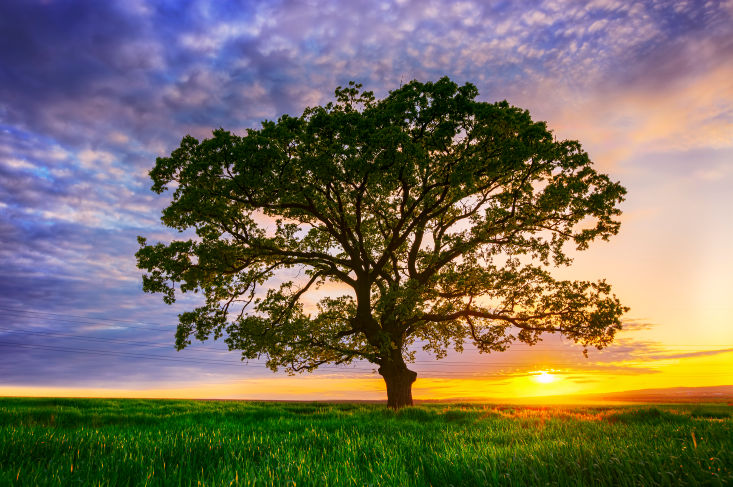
647 415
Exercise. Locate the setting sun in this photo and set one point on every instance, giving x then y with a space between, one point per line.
544 377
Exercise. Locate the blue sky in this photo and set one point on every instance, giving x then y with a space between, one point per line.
91 92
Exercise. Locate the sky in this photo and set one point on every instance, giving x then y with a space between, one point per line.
92 92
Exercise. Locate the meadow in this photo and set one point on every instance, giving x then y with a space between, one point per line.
220 443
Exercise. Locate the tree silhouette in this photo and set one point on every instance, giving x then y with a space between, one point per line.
439 215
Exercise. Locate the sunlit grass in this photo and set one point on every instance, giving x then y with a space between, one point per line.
166 442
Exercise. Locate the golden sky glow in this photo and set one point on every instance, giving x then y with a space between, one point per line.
693 372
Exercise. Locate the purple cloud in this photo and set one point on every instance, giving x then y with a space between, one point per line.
91 92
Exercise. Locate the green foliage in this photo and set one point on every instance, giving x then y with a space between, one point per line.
440 215
54 442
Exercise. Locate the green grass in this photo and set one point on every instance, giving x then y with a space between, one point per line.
163 442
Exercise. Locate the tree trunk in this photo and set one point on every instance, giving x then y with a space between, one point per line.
399 381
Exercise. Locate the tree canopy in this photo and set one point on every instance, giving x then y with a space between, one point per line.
433 218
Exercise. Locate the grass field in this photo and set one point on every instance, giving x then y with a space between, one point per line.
166 442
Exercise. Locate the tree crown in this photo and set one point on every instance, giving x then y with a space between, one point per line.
437 213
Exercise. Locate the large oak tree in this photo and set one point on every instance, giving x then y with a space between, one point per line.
439 216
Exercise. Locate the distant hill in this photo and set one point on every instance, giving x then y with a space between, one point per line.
672 394
709 394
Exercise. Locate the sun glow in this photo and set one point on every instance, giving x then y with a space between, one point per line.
544 377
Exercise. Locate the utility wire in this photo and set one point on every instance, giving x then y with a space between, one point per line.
96 321
92 321
162 345
437 363
122 354
152 357
116 320
201 347
167 345
343 370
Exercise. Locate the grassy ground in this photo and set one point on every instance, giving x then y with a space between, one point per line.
162 442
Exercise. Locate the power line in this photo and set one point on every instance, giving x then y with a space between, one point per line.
439 363
82 337
144 356
422 363
116 320
348 370
93 321
167 346
161 345
122 354
469 347
210 362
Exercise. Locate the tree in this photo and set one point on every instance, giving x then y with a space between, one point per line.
438 215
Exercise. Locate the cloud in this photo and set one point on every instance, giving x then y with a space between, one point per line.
633 326
91 92
701 353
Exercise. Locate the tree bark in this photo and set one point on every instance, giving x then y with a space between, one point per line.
399 381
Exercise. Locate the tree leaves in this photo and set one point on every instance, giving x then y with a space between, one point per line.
439 213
